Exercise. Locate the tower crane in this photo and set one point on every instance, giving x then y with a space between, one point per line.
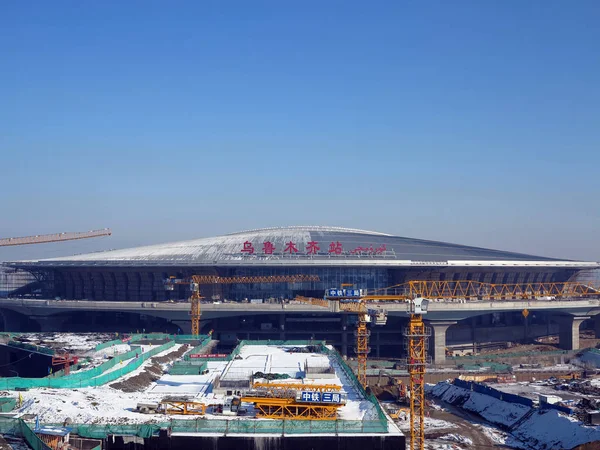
417 295
195 281
57 237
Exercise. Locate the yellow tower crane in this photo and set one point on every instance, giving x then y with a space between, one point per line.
417 294
195 281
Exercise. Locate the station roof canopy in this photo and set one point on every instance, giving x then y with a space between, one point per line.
305 246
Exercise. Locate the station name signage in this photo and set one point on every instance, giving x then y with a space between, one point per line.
211 355
345 292
320 397
311 248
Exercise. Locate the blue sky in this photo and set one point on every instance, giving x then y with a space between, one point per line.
470 122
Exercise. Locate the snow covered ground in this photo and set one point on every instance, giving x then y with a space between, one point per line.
71 341
529 427
490 408
104 404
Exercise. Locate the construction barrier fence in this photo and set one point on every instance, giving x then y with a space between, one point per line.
188 367
564 409
88 378
17 427
486 390
230 427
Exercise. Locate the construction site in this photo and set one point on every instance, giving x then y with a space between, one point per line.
131 386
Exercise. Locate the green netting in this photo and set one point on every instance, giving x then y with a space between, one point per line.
382 423
205 340
7 404
87 378
191 368
17 427
232 427
104 345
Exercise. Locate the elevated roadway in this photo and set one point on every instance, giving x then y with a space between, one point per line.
569 313
177 311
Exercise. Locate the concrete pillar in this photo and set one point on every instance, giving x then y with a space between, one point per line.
121 286
568 332
377 346
159 287
133 286
282 327
473 328
597 326
49 323
185 325
438 341
344 334
109 286
146 282
78 290
88 286
69 286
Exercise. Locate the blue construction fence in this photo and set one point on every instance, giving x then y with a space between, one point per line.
564 409
486 390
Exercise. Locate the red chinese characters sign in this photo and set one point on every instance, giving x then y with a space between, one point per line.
313 248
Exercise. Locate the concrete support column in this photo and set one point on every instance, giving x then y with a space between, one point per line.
77 285
282 327
473 328
185 325
568 332
133 286
88 286
98 281
377 346
438 340
344 335
69 286
597 326
146 282
109 286
121 290
49 323
159 287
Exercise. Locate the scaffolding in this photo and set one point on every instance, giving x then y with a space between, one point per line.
289 408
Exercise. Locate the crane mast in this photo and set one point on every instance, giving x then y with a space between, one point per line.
57 237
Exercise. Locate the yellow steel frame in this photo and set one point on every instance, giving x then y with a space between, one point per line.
183 407
288 408
214 279
275 388
417 358
362 344
482 291
195 311
313 301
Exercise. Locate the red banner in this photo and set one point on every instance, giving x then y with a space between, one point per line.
211 355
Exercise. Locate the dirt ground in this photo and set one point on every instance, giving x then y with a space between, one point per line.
464 427
150 374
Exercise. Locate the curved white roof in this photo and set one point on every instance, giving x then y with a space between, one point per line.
305 246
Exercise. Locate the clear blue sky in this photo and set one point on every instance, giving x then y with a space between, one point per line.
466 121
